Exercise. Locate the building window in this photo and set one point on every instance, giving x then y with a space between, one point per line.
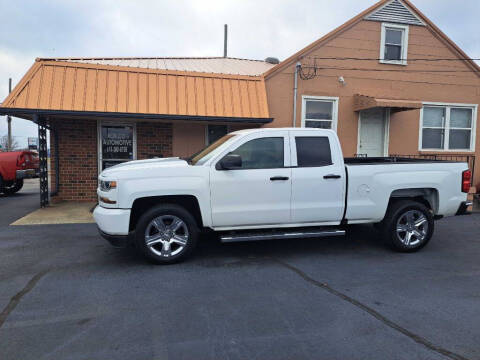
215 132
448 127
116 144
394 44
319 112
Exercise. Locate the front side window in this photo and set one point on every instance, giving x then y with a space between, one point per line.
394 42
313 151
320 113
263 153
447 128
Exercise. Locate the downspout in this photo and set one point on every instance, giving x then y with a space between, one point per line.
57 163
295 88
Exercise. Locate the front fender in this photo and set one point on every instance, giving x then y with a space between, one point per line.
196 186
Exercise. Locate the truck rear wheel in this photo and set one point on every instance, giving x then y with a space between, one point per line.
11 187
166 234
408 226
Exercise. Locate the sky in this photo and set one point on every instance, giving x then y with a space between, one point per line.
257 29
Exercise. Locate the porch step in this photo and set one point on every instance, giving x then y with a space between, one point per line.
251 235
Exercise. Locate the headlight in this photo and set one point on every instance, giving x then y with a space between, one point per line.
107 185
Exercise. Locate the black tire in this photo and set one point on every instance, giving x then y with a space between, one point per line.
397 214
1 184
11 187
157 253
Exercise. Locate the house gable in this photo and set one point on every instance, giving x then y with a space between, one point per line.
428 25
346 63
395 12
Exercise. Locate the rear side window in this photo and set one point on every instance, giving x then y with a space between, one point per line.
313 151
263 153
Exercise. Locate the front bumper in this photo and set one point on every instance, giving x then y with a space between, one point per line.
25 174
112 221
113 225
463 209
118 241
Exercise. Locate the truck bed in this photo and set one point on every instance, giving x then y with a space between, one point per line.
438 180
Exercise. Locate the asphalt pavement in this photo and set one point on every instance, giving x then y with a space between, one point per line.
66 294
17 205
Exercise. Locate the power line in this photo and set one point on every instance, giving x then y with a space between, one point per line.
378 59
310 71
383 79
388 70
17 136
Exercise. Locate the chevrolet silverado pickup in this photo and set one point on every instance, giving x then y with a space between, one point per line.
263 184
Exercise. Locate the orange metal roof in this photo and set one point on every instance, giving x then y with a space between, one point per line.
218 65
63 85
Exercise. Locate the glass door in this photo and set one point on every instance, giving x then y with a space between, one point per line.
116 144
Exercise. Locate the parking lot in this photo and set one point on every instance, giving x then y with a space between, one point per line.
66 294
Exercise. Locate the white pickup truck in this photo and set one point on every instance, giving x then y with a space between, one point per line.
271 184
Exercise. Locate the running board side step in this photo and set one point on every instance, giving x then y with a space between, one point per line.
255 236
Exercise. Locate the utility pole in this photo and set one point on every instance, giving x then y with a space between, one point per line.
9 120
225 39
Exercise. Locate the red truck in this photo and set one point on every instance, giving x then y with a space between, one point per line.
16 166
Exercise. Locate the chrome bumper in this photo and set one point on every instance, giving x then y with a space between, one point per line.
25 174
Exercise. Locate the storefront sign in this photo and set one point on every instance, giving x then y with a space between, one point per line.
117 144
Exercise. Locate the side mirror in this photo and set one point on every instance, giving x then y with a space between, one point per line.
229 162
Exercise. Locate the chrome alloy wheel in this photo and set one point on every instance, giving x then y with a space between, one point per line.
412 228
166 235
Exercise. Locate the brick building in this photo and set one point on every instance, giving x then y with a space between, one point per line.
101 112
388 81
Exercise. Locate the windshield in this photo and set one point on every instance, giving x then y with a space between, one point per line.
202 156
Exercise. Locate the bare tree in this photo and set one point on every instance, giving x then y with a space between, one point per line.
4 144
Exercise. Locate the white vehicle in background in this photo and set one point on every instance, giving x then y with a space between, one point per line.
274 184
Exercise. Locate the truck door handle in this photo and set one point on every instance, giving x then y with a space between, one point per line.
279 178
332 176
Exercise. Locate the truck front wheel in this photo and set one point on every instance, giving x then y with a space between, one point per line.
408 226
166 234
11 187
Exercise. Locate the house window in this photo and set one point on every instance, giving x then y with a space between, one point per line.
319 112
215 132
448 127
394 44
